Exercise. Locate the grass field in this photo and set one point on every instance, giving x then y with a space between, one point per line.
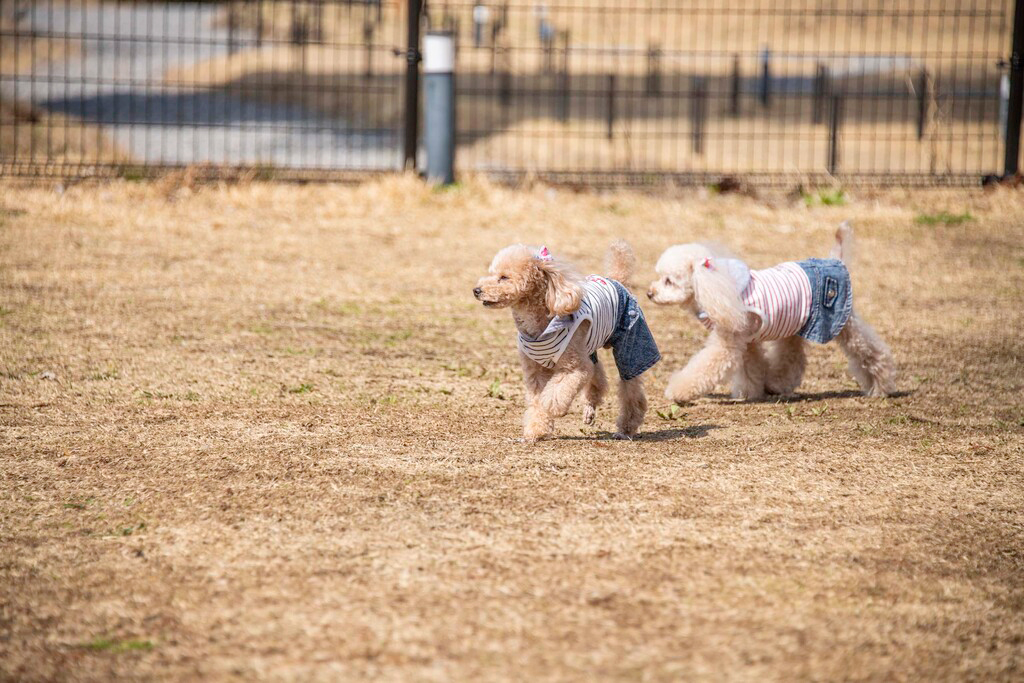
264 432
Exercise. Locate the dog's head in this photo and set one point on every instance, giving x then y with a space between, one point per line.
521 276
675 267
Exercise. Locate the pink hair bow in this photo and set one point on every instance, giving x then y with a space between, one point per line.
544 254
707 264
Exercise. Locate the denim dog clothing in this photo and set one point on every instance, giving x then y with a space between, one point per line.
831 299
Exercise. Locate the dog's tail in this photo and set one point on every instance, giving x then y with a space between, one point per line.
620 261
843 248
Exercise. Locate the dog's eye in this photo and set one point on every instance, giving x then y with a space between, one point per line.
502 278
668 280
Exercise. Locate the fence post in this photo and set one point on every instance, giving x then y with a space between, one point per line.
821 91
505 86
1013 118
611 105
924 94
734 93
653 69
766 77
259 23
564 100
232 29
368 42
700 100
835 121
412 85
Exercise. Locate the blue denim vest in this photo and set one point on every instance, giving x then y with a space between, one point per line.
831 299
632 342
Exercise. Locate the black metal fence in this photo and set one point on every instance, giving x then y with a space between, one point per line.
611 91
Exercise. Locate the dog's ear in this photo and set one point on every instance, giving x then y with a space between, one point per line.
563 291
716 294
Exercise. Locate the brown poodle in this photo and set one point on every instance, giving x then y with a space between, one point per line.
562 319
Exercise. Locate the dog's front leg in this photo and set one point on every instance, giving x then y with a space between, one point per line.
537 423
708 368
573 372
748 379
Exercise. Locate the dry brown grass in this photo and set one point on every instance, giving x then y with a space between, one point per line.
253 432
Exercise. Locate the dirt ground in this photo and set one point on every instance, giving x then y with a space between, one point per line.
264 432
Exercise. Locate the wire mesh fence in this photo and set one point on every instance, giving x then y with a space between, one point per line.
282 87
913 91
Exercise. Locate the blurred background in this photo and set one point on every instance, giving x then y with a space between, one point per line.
588 91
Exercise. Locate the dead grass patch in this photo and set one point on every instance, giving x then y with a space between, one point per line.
264 431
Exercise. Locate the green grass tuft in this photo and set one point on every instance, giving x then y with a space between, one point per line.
115 645
836 197
943 218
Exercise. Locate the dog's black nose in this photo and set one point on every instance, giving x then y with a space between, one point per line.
477 292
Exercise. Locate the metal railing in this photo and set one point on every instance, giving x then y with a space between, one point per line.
584 91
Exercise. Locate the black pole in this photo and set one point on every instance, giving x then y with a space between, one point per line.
734 91
766 78
611 105
821 90
699 113
412 85
833 134
1012 162
924 94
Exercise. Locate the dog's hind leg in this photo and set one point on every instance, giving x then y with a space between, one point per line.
594 393
632 408
706 370
871 362
787 360
748 377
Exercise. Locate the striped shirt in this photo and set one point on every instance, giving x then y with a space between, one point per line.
599 304
780 296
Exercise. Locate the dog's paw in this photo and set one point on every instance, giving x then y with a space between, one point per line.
680 395
589 413
533 436
625 437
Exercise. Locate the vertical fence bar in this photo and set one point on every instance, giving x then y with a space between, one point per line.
563 102
368 40
821 90
734 90
653 81
835 121
1013 120
412 85
611 105
700 107
766 77
924 95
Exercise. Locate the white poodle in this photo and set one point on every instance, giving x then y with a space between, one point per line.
780 307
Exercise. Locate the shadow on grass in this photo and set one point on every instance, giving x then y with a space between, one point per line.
693 432
803 398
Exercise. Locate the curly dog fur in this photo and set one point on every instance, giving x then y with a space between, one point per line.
754 369
537 290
